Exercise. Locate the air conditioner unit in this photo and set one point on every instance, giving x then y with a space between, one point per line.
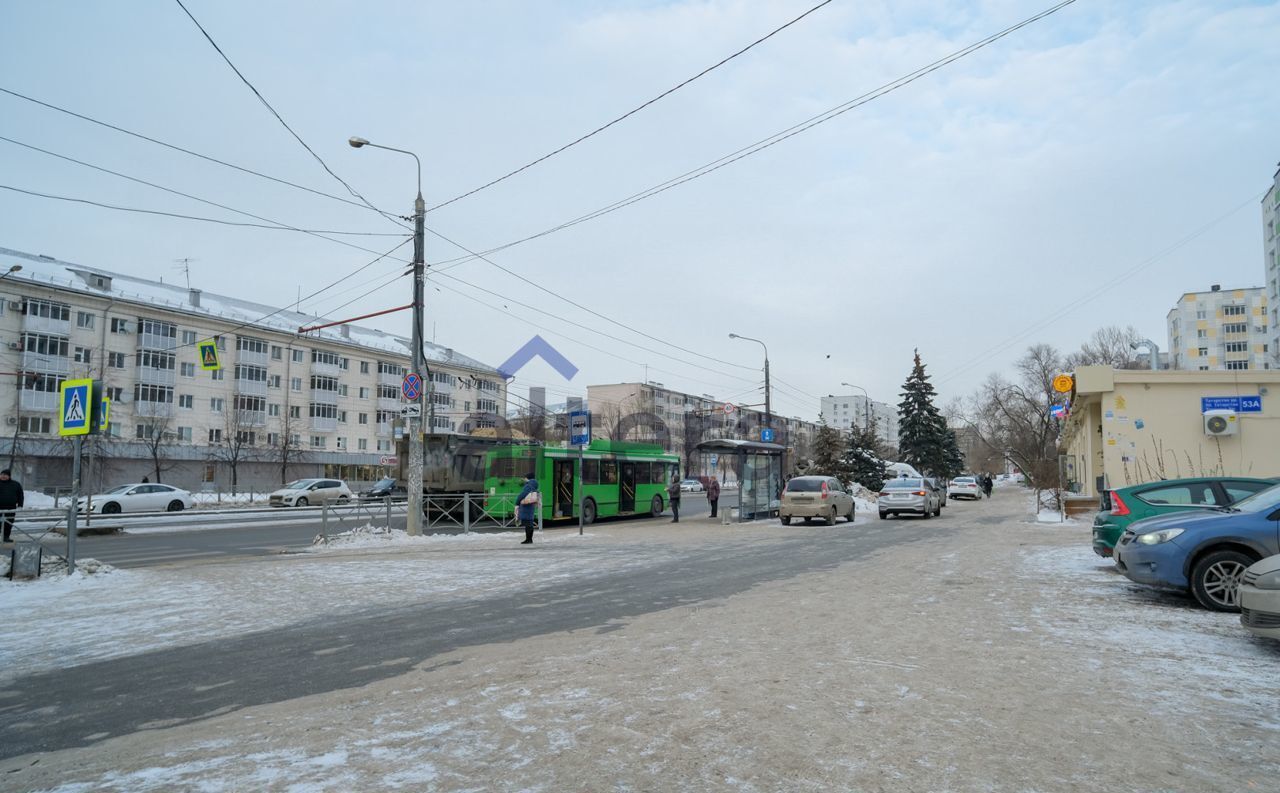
15 305
1221 422
11 421
15 345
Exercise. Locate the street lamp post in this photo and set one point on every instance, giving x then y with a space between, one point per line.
21 380
866 415
13 268
768 412
414 482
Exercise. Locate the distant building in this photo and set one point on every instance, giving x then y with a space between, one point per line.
1220 329
845 412
1271 257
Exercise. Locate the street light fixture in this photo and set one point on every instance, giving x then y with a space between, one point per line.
414 479
866 415
13 268
768 412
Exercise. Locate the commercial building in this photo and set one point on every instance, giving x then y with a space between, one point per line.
679 421
1221 329
845 412
1271 260
1128 426
282 405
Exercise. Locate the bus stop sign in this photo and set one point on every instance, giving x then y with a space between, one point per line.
580 428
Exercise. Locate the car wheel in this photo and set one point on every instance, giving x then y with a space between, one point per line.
343 499
928 513
174 506
111 508
589 511
884 515
786 520
852 508
655 506
301 502
938 511
1216 577
831 519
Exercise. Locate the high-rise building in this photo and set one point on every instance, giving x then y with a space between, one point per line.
1271 254
846 412
1220 329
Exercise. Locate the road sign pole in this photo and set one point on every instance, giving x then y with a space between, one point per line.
579 490
77 443
414 525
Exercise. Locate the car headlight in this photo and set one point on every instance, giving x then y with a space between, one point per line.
1157 537
1268 580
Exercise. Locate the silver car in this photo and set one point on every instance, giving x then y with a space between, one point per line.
305 492
911 495
808 497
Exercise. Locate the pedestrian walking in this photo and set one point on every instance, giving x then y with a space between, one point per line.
713 494
528 501
986 485
146 480
673 495
11 498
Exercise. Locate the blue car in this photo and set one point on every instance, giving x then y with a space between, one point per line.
1204 552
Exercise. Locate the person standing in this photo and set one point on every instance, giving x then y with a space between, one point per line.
986 485
11 498
713 493
673 495
528 502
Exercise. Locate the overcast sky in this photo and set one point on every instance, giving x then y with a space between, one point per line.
986 206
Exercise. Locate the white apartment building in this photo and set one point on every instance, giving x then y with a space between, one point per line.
1221 329
846 412
282 406
1271 262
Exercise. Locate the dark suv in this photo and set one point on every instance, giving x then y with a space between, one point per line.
386 486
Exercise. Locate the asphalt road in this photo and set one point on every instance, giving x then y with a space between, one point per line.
187 543
69 708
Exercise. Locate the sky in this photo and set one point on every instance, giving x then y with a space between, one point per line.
1084 171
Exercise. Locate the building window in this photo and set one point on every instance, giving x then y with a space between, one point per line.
186 401
388 368
273 381
219 374
273 439
188 337
319 410
364 392
184 434
246 437
362 418
1237 346
342 417
273 409
322 383
341 444
1234 310
277 353
215 436
143 392
82 355
216 404
298 356
295 411
250 344
1202 314
388 392
46 309
1203 352
85 320
1237 365
188 369
364 367
295 384
35 424
1236 327
114 394
362 444
384 446
221 342
317 441
325 357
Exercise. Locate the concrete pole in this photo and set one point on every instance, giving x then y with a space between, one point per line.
414 524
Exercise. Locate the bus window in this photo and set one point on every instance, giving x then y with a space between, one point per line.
511 467
609 472
590 472
644 475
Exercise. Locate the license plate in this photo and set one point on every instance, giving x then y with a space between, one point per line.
801 499
900 496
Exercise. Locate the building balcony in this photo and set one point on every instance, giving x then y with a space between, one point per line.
153 409
150 375
253 418
46 364
388 404
323 397
39 400
250 358
252 387
48 325
384 428
155 341
389 378
327 369
320 424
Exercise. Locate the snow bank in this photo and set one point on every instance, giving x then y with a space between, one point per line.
53 573
371 536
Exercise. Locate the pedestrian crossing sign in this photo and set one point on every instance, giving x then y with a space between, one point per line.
76 406
207 352
104 418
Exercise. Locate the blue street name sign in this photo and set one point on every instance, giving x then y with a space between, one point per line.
1240 404
580 428
766 435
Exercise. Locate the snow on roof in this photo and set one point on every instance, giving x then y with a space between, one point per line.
41 269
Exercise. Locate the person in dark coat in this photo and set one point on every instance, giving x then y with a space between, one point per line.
673 495
528 513
713 493
987 484
11 497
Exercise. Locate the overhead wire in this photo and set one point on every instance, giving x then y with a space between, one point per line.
631 112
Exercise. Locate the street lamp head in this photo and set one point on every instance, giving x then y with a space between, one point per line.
13 268
733 335
356 142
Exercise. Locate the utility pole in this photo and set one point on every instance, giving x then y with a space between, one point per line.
768 402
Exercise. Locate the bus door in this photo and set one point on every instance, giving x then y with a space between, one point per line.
562 475
627 488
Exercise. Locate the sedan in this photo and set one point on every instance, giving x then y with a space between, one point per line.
1260 598
1126 505
910 495
965 487
1205 552
305 492
691 486
143 497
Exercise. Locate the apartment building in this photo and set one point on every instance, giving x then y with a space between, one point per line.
856 410
283 405
654 413
1221 329
1271 261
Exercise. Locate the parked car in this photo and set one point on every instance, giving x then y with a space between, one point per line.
142 497
908 494
810 497
1204 552
965 487
691 486
940 487
387 486
304 492
1126 505
1260 598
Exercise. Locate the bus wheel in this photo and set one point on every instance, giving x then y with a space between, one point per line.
655 508
589 511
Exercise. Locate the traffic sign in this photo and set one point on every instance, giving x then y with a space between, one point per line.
766 435
411 386
580 428
1063 383
411 411
728 408
73 416
207 352
104 418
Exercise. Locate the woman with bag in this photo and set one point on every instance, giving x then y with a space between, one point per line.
528 500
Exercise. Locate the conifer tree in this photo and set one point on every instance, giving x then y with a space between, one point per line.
922 431
862 461
828 453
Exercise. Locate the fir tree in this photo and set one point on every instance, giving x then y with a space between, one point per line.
922 431
862 460
828 453
953 458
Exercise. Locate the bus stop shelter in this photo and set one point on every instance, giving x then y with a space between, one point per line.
755 468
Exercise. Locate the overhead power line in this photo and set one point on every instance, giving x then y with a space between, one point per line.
631 112
772 140
279 118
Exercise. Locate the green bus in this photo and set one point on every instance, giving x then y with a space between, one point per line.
618 478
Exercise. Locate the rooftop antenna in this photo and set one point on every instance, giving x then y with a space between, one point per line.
185 266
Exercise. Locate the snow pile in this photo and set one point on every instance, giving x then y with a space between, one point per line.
1054 516
35 500
53 570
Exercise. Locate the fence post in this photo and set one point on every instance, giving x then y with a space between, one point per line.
324 518
388 513
466 513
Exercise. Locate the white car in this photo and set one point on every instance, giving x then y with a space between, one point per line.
1260 598
141 497
691 486
307 492
964 487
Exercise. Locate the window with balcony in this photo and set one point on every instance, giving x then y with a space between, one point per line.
1237 346
155 359
1234 310
324 357
321 382
156 394
320 410
252 374
40 344
154 327
1237 365
250 404
250 344
389 368
385 416
47 309
388 392
1235 327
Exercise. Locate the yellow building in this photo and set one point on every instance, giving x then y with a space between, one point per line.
1126 427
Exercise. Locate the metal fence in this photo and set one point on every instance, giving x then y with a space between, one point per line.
441 512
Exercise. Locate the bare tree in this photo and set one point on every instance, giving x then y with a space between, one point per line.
155 432
241 433
284 446
1108 346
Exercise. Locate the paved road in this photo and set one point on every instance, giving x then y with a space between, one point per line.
188 543
69 708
